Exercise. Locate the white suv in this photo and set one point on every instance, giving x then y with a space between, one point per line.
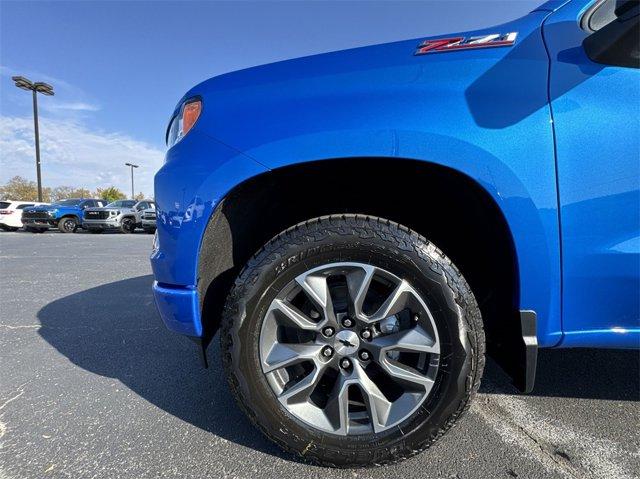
11 213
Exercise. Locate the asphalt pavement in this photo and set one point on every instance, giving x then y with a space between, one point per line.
92 385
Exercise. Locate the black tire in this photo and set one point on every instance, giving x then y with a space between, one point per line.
68 224
381 243
127 225
8 228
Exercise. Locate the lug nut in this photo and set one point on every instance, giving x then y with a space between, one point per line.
345 363
364 355
327 351
328 331
416 318
347 323
366 334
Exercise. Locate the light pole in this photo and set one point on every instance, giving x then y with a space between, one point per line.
132 167
35 88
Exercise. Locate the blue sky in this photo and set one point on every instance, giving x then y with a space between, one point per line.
118 68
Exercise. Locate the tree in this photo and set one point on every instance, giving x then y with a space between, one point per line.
21 189
64 192
110 194
139 197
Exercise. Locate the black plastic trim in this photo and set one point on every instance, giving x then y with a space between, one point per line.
528 321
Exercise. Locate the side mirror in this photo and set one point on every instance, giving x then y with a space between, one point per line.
617 42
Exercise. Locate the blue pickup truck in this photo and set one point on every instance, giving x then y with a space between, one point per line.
363 226
66 215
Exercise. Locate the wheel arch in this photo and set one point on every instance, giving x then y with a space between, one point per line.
445 205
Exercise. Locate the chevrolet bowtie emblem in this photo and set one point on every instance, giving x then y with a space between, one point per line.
346 343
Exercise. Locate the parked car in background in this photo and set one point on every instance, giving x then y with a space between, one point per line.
434 199
121 215
11 213
66 215
140 208
148 218
118 215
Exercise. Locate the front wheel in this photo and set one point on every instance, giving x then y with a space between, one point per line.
127 225
67 225
352 341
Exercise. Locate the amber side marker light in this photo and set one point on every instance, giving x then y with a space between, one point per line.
190 115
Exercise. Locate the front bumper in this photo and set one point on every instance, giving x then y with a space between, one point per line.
100 224
179 308
197 173
39 223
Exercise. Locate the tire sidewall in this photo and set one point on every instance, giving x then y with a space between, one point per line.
421 268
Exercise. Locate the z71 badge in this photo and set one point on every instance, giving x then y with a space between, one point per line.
461 43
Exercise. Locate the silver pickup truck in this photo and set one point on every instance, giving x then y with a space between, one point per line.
121 215
148 218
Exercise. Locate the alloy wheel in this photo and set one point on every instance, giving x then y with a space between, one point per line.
349 348
127 225
69 225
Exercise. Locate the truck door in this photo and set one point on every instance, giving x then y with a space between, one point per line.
595 98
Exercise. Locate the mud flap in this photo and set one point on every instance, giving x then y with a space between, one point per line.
527 376
516 350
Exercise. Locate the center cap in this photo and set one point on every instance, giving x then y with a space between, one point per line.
346 342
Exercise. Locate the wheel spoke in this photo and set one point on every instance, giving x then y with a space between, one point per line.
301 390
283 355
337 409
405 373
415 340
318 290
293 315
377 404
395 302
358 282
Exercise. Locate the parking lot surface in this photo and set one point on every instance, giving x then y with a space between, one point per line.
92 385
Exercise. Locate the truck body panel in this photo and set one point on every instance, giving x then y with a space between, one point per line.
595 116
487 113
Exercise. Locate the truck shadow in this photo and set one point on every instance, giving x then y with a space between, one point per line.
113 330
